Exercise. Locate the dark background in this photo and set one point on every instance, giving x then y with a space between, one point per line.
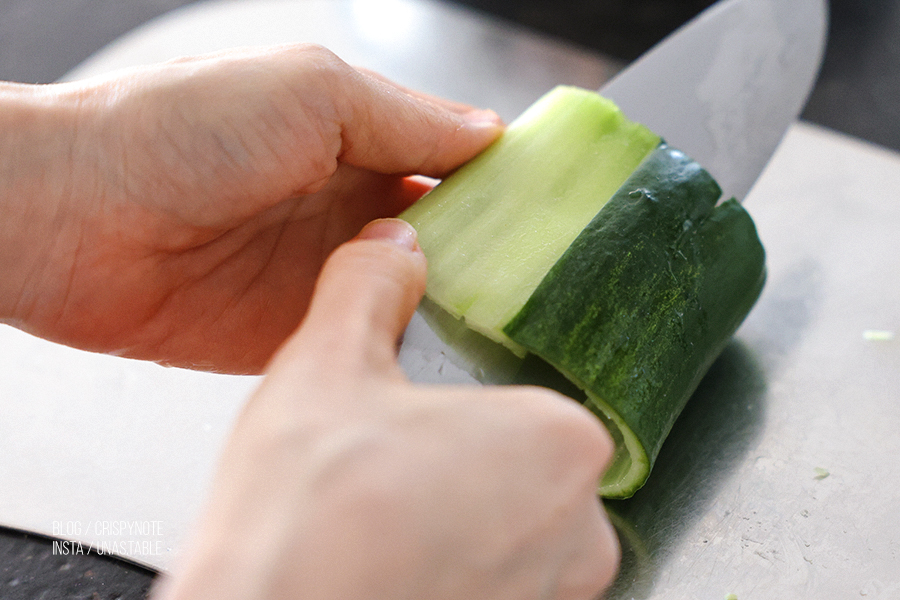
858 92
40 40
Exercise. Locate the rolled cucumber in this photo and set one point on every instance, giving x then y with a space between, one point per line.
581 238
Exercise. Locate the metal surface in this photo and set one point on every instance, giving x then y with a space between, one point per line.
739 502
724 87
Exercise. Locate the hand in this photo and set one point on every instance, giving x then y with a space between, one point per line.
181 212
343 480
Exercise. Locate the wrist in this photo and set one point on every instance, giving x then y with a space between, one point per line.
37 139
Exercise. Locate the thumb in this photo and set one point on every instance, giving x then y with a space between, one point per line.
364 298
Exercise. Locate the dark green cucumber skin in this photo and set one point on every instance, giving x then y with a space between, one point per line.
647 296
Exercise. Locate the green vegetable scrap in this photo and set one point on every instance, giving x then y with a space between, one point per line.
878 335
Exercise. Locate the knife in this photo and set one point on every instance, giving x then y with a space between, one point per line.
723 88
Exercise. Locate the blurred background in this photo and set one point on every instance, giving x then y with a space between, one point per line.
858 92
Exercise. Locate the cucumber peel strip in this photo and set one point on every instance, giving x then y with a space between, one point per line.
629 463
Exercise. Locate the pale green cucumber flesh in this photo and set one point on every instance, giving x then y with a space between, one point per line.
643 301
629 463
493 229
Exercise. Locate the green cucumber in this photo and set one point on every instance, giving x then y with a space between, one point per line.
643 301
582 239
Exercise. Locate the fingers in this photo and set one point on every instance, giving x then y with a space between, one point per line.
577 449
387 128
241 130
403 133
596 555
363 300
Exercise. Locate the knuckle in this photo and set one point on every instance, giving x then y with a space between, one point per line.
319 63
319 53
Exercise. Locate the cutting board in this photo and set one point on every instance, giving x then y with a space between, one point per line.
781 478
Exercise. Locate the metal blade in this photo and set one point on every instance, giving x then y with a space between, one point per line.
439 348
725 87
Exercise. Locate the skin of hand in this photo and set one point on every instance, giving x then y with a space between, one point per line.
184 213
344 480
181 212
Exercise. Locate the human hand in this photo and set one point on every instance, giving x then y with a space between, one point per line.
181 212
344 480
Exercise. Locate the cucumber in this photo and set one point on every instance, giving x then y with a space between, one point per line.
617 267
643 301
493 230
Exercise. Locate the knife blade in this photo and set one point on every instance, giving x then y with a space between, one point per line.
724 88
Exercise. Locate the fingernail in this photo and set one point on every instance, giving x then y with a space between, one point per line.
483 118
397 231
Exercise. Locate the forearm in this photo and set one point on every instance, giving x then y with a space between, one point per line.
37 138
